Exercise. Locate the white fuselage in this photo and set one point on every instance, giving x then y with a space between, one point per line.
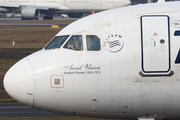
135 74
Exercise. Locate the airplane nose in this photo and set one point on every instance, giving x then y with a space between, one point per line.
19 82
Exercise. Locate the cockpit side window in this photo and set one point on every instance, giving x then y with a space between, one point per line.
93 43
57 42
74 43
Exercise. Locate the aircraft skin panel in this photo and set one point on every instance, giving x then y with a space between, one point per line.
124 90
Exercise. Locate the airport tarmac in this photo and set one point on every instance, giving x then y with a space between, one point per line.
9 110
16 21
4 24
19 18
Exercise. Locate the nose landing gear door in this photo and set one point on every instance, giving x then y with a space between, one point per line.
155 46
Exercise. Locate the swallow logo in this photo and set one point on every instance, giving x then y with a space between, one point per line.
113 43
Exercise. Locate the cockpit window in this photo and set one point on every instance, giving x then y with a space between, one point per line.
74 43
57 42
93 43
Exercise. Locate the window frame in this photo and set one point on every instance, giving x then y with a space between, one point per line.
87 43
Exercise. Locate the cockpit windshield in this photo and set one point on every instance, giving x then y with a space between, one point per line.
56 42
74 43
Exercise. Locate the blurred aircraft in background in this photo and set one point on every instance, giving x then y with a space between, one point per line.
31 9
